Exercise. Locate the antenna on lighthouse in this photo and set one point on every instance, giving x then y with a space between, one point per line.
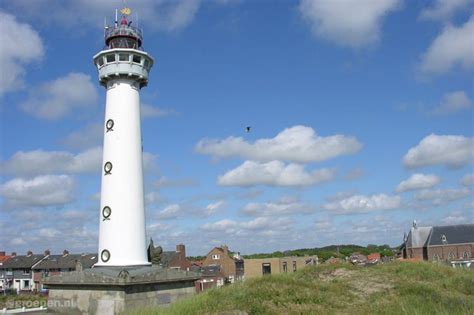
116 17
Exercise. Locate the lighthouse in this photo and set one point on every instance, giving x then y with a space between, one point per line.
123 68
122 280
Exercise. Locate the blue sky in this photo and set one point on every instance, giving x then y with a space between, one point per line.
361 115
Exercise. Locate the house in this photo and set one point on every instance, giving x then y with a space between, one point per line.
176 259
267 266
358 259
451 242
439 243
17 271
59 264
374 257
415 242
211 276
231 266
3 258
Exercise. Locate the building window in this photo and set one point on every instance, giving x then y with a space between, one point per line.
100 62
137 59
266 269
146 63
294 266
110 58
451 256
436 257
216 256
26 271
466 255
123 57
285 267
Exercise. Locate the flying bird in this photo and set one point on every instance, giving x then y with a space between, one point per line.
247 129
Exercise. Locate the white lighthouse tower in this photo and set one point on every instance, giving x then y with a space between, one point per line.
123 69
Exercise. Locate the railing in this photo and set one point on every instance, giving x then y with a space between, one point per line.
124 30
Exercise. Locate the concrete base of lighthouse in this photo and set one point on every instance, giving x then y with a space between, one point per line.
118 290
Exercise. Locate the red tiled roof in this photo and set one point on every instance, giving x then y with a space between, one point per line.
4 258
373 256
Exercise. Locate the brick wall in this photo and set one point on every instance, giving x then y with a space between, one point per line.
253 267
226 262
443 251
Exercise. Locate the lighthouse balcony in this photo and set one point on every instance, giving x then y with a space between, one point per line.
123 63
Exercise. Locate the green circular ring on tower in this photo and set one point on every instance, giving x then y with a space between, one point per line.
105 255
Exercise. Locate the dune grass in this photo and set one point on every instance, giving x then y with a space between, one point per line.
392 288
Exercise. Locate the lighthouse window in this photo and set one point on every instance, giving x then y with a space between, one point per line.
137 59
123 57
109 125
105 255
108 168
100 62
110 58
146 64
106 212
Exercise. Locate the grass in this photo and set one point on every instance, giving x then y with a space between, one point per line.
392 288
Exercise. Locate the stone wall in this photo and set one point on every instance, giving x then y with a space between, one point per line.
106 300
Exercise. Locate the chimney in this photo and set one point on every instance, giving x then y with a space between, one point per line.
181 249
13 254
29 253
226 249
65 252
2 253
47 252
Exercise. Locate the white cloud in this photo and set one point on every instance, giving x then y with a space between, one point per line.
452 48
354 23
21 46
149 111
285 206
296 144
261 224
213 208
362 204
164 182
452 102
46 162
152 197
39 191
170 212
174 211
161 15
274 173
443 9
451 151
48 233
468 179
149 162
442 196
418 181
456 217
58 98
87 137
